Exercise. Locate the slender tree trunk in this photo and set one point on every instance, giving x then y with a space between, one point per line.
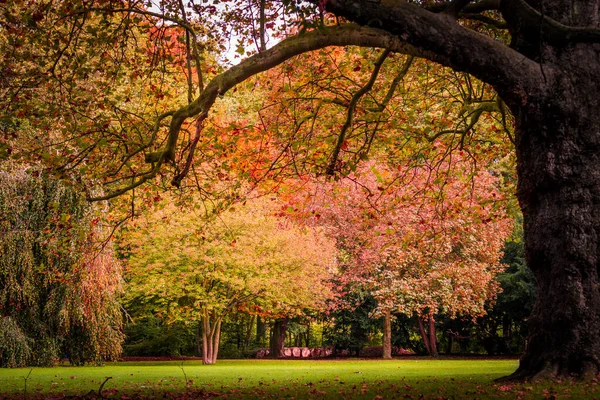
506 327
387 334
278 337
211 336
432 338
216 341
204 340
261 330
198 339
248 334
424 335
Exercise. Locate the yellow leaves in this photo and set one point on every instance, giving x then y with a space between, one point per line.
244 253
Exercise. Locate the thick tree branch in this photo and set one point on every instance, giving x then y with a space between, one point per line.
456 7
471 7
532 23
341 35
452 44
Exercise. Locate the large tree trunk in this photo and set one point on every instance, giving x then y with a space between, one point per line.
558 151
387 334
278 338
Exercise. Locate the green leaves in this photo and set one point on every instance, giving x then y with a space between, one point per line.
50 269
245 256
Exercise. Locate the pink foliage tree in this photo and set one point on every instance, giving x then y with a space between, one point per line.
425 240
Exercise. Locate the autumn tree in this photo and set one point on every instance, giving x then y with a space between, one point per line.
58 287
245 259
540 57
423 242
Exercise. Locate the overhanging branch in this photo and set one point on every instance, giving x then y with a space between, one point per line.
451 44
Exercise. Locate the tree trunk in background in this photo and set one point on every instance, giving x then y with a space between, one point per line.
387 334
432 337
424 335
261 330
506 328
198 339
211 336
428 335
248 334
450 343
278 337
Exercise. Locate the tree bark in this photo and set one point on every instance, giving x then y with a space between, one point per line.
424 335
558 152
432 338
211 337
428 335
278 338
261 330
387 334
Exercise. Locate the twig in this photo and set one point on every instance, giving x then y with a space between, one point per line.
184 376
26 378
102 386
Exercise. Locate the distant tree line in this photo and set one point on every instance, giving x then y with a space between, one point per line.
352 330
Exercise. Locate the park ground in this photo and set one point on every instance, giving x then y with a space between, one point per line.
414 378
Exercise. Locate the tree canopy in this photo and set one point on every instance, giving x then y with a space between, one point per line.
58 289
193 269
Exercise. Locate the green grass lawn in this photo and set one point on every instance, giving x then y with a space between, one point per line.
279 379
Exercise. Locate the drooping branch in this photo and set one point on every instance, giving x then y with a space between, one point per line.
469 120
190 158
350 113
395 82
381 106
471 51
341 35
